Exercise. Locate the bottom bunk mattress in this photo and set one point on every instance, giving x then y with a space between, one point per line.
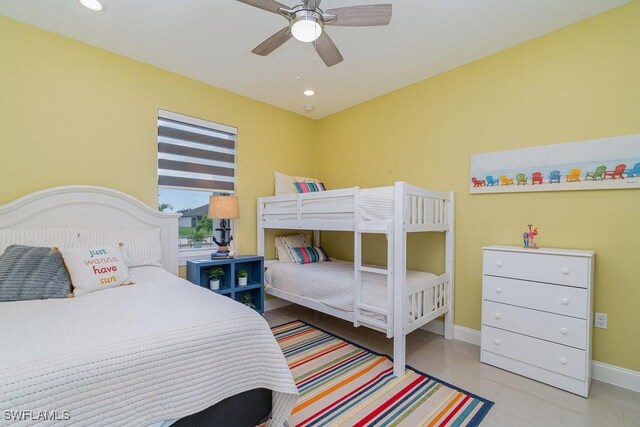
331 283
160 349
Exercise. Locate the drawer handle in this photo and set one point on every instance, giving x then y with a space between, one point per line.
565 270
564 301
498 290
564 331
563 361
498 315
496 341
498 264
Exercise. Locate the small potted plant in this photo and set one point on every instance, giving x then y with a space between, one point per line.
246 300
242 277
215 274
197 236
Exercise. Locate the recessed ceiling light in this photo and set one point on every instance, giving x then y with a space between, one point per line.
94 5
308 108
309 92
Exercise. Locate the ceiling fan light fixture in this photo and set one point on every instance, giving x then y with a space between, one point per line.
306 26
94 5
309 92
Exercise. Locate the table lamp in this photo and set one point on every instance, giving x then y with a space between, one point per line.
223 208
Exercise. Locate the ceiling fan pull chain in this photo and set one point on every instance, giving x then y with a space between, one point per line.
298 44
315 51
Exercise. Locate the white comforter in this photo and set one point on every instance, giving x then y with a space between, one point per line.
331 283
135 355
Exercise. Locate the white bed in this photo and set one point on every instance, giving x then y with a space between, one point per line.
390 299
137 355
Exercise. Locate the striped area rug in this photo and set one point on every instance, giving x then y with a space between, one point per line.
343 384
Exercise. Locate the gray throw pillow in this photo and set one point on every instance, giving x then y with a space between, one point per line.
28 273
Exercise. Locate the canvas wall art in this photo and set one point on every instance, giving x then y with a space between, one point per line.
597 164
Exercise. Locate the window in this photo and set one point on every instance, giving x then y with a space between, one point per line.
196 159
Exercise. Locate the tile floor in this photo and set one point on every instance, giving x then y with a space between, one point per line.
518 401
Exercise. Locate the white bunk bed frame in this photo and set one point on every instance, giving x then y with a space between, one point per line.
415 210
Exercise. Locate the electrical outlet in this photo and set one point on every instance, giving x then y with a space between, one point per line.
600 320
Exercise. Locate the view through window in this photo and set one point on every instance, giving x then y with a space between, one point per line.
196 159
195 228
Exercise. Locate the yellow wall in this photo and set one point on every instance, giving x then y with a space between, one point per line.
74 114
581 82
71 114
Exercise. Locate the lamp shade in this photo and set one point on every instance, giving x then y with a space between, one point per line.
224 207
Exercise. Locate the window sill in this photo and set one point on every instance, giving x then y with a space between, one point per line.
185 255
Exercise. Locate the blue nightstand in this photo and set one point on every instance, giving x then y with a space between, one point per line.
252 293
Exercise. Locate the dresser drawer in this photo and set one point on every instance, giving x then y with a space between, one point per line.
564 300
543 354
539 324
564 270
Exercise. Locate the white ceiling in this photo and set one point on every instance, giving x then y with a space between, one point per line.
211 41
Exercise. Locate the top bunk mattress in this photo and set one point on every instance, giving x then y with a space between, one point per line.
331 283
375 204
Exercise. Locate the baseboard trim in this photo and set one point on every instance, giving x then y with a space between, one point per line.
610 374
460 333
274 303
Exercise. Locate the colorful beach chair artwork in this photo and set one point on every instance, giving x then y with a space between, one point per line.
617 172
478 182
635 172
554 176
597 174
491 181
521 179
505 180
536 178
574 175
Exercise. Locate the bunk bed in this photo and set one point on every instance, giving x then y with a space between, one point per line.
394 211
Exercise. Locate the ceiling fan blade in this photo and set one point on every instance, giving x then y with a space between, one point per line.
361 16
328 50
268 5
273 42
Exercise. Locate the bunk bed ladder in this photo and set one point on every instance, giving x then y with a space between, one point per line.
360 317
370 319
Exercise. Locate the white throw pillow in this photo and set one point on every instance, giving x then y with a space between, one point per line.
282 253
284 183
49 237
293 241
141 247
95 268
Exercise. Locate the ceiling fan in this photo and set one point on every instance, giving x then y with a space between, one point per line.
307 21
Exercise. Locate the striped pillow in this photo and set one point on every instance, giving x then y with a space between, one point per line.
290 242
141 247
65 237
308 187
309 255
28 273
284 183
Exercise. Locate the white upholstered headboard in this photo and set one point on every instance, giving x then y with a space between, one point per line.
92 208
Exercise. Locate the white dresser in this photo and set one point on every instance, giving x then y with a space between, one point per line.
537 314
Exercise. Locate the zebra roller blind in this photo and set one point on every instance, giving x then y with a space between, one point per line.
195 154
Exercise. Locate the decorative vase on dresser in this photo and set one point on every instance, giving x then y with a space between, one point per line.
537 314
